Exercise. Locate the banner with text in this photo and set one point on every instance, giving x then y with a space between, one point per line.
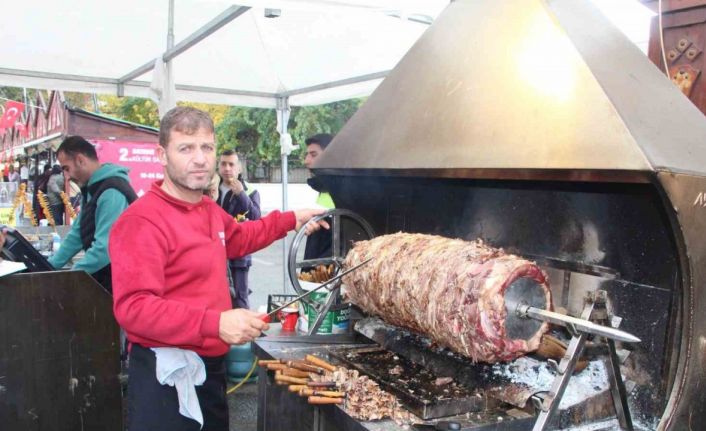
139 157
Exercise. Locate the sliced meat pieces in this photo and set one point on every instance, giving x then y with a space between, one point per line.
448 289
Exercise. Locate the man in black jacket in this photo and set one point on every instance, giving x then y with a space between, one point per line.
241 201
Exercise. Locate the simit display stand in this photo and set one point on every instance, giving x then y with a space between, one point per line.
59 354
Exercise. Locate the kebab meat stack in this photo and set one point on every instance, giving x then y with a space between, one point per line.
447 289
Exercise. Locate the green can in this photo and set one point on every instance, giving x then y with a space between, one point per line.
325 327
335 322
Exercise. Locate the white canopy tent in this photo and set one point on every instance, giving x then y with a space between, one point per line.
308 52
225 54
297 52
315 51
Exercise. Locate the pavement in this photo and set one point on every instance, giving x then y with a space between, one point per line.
267 274
242 408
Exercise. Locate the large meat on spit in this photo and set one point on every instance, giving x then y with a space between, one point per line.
452 291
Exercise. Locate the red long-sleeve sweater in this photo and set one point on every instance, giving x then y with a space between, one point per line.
168 261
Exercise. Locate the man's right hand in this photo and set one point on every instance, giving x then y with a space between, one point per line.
240 326
2 238
235 185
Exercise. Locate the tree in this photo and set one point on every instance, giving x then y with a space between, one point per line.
134 109
79 100
253 131
328 118
12 93
249 131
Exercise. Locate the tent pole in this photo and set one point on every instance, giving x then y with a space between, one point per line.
173 50
170 29
167 100
283 112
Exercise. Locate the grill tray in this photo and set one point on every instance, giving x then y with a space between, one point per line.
412 384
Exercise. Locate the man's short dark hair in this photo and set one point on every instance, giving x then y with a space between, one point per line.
323 139
183 119
75 145
228 153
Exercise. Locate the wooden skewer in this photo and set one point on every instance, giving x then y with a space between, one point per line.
293 372
305 367
325 400
264 362
312 392
322 384
320 363
276 367
290 380
332 394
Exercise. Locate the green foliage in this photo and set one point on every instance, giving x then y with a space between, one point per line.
133 109
329 118
79 100
12 93
253 131
250 131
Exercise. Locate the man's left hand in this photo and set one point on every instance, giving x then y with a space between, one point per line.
303 216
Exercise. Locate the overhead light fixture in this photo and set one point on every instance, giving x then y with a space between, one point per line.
273 13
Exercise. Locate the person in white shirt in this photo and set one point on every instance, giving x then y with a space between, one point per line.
24 173
14 177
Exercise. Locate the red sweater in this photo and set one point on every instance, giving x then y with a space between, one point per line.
168 261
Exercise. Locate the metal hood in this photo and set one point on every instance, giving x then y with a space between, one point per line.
525 85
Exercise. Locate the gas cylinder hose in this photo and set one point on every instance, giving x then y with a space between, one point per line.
245 379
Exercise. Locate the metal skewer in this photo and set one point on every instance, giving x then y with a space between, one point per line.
575 324
336 278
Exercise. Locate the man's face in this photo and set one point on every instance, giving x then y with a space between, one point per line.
189 160
229 168
74 167
313 151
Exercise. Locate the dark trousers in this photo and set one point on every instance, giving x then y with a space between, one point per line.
155 407
242 293
57 211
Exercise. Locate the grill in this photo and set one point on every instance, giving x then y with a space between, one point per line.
600 181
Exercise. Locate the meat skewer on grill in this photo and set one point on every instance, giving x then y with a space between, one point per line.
450 290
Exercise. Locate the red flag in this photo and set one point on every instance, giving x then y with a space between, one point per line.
21 129
13 110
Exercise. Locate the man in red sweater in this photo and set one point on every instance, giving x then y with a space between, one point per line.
168 252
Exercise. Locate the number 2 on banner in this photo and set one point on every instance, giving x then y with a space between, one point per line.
123 154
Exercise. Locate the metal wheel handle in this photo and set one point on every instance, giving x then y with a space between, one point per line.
334 217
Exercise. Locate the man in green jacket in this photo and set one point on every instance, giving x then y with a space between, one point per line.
106 193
